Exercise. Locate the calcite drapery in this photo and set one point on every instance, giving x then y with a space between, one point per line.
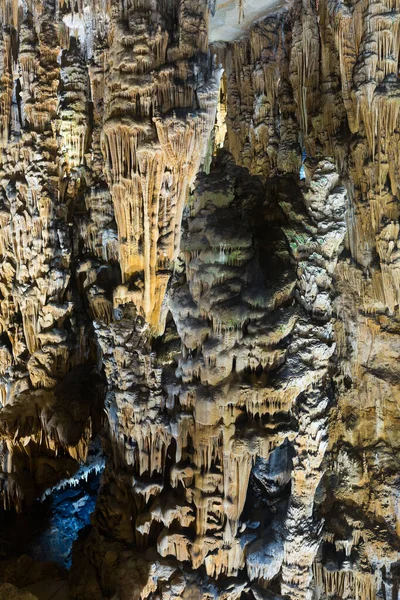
78 240
250 359
154 140
45 333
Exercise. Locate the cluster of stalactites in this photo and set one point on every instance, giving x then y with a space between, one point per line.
44 136
368 42
262 132
30 439
367 37
152 161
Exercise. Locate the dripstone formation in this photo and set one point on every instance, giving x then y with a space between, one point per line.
200 262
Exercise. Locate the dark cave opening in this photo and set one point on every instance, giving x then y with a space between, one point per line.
47 529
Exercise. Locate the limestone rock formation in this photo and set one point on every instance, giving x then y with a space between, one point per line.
10 592
199 262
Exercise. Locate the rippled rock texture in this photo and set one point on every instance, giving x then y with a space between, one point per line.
199 260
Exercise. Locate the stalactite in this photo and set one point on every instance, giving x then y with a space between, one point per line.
213 231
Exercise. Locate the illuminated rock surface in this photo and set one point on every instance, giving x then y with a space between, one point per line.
199 261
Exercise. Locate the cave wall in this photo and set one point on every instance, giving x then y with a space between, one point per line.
199 258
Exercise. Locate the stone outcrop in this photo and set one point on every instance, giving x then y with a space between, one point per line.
199 255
